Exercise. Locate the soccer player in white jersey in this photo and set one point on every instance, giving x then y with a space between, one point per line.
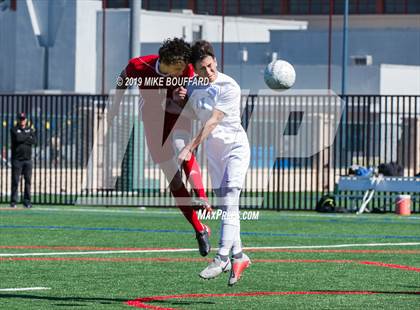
217 106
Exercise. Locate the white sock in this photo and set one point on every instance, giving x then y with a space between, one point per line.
228 201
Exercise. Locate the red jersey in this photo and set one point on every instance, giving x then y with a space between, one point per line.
145 69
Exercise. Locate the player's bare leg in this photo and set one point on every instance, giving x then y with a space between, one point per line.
184 203
192 171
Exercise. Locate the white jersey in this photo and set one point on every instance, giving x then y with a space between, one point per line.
227 145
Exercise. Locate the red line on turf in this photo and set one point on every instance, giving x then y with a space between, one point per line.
391 266
141 302
181 259
340 261
88 248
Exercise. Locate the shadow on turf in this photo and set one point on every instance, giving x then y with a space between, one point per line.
66 299
77 300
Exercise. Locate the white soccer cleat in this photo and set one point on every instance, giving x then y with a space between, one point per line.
216 267
238 266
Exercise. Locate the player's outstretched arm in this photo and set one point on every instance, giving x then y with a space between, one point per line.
204 132
119 94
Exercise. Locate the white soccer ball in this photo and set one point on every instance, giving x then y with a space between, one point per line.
279 74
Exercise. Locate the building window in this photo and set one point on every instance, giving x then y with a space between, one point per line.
250 7
413 6
231 7
299 7
271 7
197 32
210 7
179 4
277 7
356 6
116 4
158 5
320 7
204 7
394 6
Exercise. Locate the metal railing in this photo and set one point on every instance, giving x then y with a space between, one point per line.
300 145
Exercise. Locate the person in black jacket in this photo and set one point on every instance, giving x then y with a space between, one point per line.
23 138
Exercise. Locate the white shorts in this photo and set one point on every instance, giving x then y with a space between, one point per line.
228 163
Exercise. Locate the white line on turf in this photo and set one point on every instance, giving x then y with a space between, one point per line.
155 211
98 252
193 249
138 210
335 246
24 289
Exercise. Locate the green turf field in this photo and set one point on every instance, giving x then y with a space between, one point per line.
100 258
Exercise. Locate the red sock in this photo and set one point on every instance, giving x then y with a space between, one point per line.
192 170
180 195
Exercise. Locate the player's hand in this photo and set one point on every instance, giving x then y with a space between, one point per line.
179 94
185 154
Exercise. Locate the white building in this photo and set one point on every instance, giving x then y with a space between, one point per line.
84 56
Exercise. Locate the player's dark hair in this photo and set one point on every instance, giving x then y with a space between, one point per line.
174 50
200 50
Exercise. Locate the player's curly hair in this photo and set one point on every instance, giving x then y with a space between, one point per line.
201 49
174 50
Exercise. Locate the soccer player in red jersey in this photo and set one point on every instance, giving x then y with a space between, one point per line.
154 73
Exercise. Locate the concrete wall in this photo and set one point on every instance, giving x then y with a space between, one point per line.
76 57
63 53
86 46
117 52
22 56
29 55
7 51
237 29
391 45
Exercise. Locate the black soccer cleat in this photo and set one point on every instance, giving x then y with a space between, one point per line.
202 237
